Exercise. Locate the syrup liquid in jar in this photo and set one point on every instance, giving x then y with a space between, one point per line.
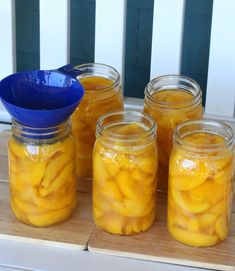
170 100
200 183
102 94
42 173
124 173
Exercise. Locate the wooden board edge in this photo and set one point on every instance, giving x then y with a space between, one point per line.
4 181
167 260
35 241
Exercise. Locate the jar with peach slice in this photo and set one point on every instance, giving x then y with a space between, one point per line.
200 182
42 174
170 100
124 171
102 94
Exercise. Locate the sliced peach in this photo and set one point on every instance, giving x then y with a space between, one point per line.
63 177
28 207
125 161
126 184
221 226
177 218
53 168
190 205
209 191
49 218
111 164
112 191
97 212
100 175
207 219
190 238
223 176
186 182
112 223
17 149
18 213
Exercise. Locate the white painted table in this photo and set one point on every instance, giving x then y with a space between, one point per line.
29 256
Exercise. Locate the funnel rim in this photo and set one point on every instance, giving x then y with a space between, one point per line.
80 89
41 110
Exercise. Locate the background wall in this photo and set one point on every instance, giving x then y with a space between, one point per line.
196 39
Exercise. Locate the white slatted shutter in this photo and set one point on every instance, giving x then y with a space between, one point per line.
110 33
54 33
168 19
220 97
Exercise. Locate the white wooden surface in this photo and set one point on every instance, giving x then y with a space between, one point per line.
7 37
30 257
220 99
168 19
54 33
110 24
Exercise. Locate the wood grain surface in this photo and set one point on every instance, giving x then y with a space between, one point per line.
3 155
76 231
157 245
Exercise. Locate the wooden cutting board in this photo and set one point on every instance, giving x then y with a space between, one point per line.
74 232
3 155
157 245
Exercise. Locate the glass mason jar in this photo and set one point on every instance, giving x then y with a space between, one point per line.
102 94
42 173
170 100
124 172
200 182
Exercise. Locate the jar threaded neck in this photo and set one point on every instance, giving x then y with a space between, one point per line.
204 126
125 117
52 133
172 82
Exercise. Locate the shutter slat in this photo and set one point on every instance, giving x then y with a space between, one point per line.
220 97
110 33
168 19
7 38
54 33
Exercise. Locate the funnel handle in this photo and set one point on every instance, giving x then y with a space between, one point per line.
70 70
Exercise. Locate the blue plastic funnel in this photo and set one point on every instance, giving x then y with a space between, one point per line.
40 98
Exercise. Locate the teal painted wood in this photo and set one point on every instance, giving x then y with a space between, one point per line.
82 33
196 41
138 46
27 34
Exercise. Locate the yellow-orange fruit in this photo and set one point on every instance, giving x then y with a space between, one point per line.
95 103
124 184
167 120
42 181
200 189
